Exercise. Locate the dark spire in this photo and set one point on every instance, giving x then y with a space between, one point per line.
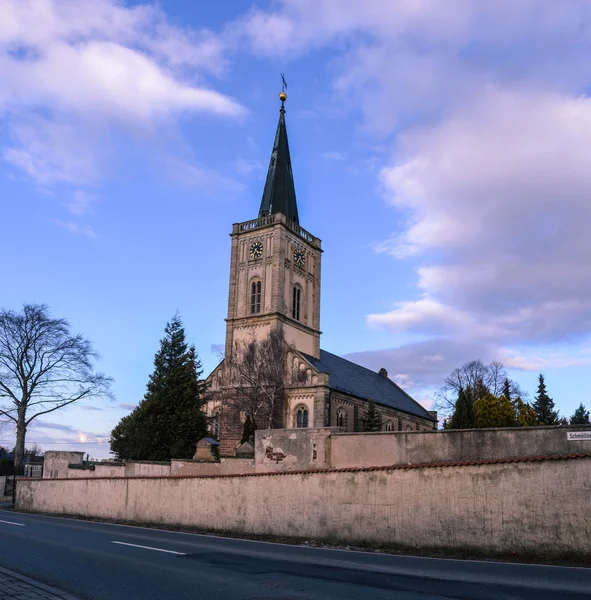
279 194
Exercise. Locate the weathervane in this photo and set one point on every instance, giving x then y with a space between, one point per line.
282 94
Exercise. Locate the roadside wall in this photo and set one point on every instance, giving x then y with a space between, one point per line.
226 466
282 450
536 507
293 449
145 469
56 462
383 449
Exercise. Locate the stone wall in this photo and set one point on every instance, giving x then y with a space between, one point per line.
226 466
411 448
293 449
142 468
56 463
523 506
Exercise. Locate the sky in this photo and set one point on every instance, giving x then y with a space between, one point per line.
440 151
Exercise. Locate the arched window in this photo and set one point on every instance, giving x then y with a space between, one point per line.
341 418
399 424
408 428
215 425
389 426
302 417
296 302
255 297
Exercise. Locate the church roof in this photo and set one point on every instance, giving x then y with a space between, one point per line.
279 193
355 380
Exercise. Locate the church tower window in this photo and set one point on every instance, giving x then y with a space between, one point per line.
296 302
302 417
255 297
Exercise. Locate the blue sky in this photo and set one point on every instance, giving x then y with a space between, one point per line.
440 151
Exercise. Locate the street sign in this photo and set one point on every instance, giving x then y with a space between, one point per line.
577 436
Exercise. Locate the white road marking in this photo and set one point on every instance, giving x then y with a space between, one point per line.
150 548
11 523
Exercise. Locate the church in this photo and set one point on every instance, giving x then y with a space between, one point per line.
275 283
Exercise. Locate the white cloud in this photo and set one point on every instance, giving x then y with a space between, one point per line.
333 155
246 167
76 72
80 203
490 166
208 180
77 228
498 198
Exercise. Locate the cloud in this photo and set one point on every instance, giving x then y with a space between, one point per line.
208 180
127 406
76 228
246 167
400 61
333 155
91 408
421 365
77 74
497 204
40 424
80 203
486 106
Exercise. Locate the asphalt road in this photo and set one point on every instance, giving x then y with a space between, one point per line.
104 561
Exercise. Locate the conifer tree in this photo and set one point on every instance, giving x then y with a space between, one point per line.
169 421
544 405
493 411
507 389
373 419
581 416
525 415
463 416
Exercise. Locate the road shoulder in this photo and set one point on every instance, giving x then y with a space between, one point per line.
22 587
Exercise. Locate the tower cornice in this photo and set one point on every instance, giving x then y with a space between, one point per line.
271 221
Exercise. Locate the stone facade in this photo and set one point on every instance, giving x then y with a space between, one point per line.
278 274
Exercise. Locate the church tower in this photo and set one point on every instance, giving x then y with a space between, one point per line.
275 264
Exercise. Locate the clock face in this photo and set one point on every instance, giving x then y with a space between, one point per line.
256 250
299 258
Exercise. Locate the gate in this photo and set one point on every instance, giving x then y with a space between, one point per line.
10 489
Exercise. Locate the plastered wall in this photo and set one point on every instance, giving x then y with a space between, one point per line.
383 449
539 506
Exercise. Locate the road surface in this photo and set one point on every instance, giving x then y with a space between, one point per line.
103 561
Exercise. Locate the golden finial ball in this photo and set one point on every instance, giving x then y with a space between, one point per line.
282 96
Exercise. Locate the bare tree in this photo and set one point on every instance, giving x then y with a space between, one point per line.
476 379
34 450
258 377
42 369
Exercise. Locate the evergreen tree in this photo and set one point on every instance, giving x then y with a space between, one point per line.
463 416
373 419
493 411
507 389
525 415
544 405
581 416
169 421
